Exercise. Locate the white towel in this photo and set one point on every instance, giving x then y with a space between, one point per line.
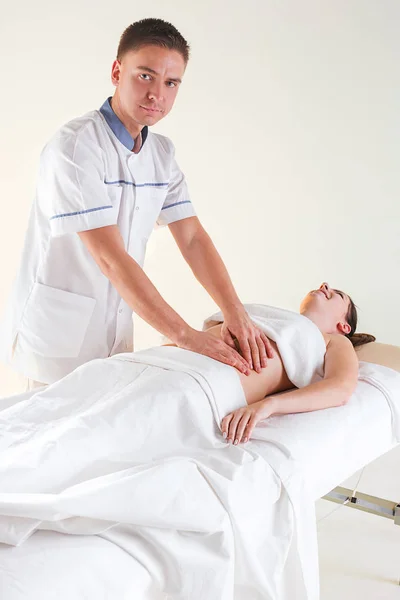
300 342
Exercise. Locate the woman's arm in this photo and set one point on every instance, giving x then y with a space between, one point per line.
339 383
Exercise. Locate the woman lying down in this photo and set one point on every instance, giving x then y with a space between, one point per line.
102 441
326 378
314 357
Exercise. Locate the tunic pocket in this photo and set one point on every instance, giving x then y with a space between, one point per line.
54 322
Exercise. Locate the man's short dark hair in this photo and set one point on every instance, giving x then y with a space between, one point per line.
152 32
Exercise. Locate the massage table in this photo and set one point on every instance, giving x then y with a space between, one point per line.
328 447
389 356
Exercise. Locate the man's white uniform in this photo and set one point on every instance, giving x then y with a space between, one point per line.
63 311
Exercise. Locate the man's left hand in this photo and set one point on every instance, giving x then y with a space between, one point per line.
255 347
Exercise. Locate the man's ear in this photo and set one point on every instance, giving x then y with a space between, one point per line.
343 328
115 72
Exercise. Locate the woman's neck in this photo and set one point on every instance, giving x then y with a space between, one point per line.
318 320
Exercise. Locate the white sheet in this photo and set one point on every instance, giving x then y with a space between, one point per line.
240 559
51 566
139 444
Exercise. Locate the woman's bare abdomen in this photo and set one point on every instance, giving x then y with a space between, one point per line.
271 380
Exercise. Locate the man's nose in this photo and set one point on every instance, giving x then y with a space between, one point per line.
155 92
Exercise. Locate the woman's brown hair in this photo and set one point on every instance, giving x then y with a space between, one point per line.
357 339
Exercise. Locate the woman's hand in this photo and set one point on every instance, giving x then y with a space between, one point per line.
238 425
254 344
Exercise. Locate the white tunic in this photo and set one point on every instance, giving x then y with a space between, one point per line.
63 311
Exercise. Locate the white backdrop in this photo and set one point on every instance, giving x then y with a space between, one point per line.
286 125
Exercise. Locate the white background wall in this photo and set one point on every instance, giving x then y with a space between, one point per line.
286 125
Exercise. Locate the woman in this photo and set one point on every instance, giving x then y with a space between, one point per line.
96 445
335 315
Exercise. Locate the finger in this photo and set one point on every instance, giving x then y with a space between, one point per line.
245 349
250 427
247 433
268 345
242 426
256 355
219 350
233 425
232 357
262 352
225 425
241 363
227 337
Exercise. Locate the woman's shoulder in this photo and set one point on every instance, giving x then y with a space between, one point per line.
337 340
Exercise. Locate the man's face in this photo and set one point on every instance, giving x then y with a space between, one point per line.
147 82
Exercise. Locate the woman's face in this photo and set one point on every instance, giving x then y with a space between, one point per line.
330 306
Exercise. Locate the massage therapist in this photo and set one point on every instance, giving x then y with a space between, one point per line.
104 182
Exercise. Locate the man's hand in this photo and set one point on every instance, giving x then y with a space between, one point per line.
209 345
254 344
238 426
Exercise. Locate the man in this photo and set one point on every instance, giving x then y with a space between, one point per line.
104 182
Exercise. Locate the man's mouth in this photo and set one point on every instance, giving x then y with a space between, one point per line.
151 109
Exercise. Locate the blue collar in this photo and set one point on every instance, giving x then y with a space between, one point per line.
118 128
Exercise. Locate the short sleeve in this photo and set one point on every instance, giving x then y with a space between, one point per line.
177 204
71 190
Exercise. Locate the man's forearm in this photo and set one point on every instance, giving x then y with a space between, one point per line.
141 295
209 269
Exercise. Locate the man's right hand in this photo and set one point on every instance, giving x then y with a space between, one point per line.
209 345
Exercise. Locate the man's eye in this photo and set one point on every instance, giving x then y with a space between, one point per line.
143 75
171 84
341 295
